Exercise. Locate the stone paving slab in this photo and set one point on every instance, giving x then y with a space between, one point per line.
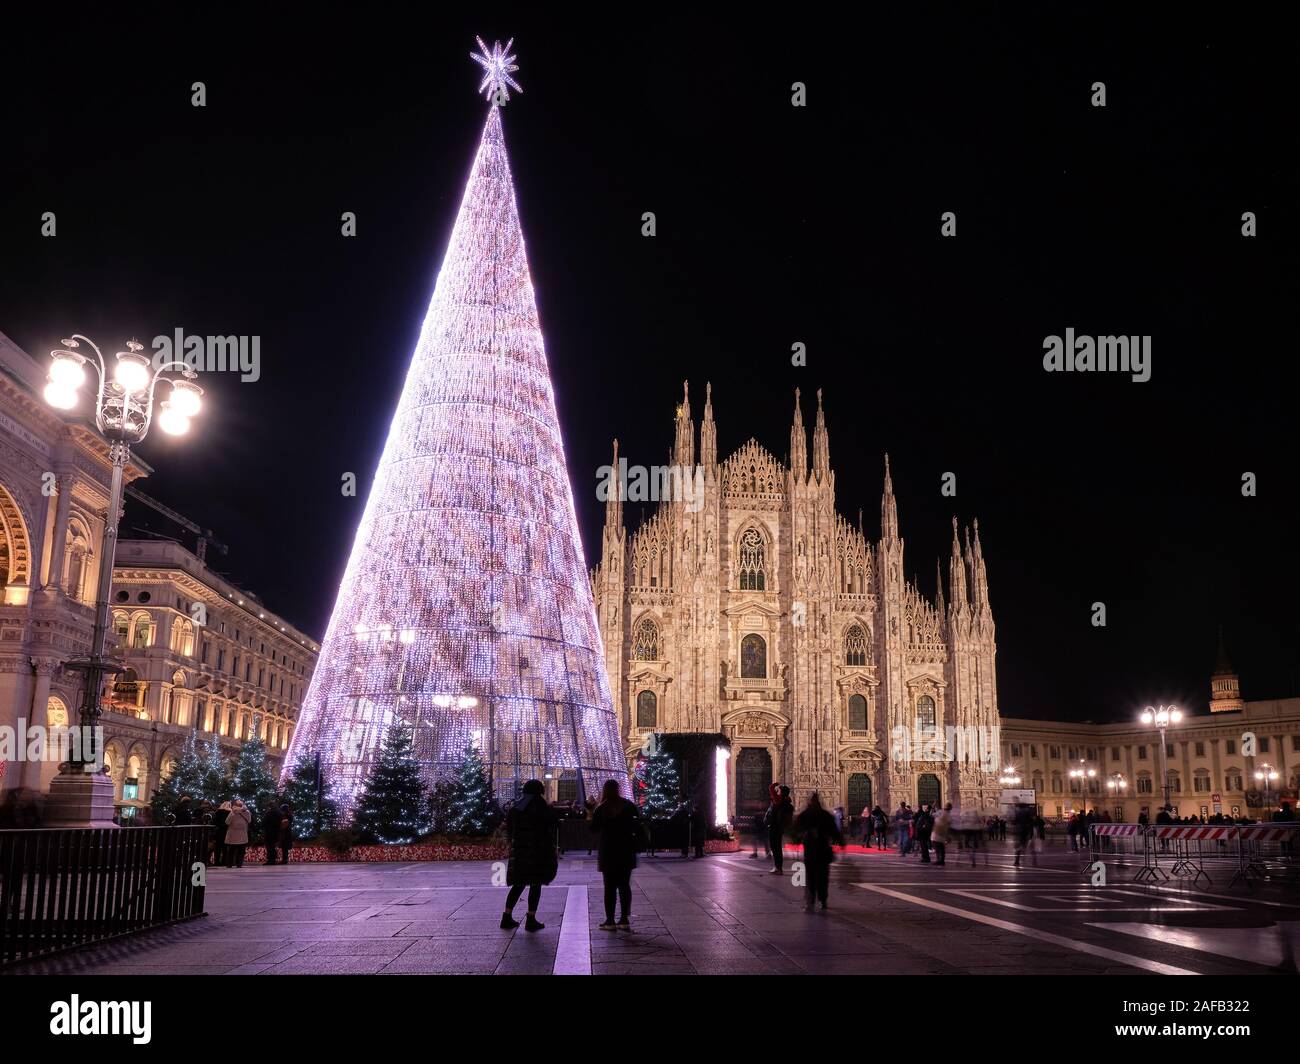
721 915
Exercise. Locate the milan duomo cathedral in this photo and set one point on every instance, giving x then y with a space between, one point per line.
749 606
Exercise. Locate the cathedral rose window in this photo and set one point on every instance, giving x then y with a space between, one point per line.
751 561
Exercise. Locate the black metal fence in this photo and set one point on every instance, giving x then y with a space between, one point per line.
62 888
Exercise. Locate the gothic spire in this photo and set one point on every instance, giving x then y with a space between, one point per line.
979 578
684 447
821 445
938 588
708 431
614 499
957 573
798 444
888 507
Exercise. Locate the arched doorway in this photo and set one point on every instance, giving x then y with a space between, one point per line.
927 789
859 793
753 777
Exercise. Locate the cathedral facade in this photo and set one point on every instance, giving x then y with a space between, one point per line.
748 606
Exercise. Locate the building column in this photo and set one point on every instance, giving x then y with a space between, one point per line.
59 536
35 712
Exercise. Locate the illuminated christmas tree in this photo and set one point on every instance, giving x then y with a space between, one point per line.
465 612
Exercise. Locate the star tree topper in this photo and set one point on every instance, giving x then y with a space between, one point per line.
498 65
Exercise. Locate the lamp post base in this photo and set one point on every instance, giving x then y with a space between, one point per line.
80 800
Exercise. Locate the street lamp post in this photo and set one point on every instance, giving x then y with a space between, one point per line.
81 795
1161 717
1116 784
1083 773
1265 774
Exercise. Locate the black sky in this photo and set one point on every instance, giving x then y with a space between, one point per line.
776 225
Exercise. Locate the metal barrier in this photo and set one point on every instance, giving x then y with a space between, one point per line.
63 888
1257 851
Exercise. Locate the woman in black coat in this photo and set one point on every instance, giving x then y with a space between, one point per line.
816 829
616 825
530 826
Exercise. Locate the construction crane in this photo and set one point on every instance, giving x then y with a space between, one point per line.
204 536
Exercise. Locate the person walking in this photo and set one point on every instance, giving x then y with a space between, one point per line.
530 828
880 824
237 833
1024 827
817 831
939 833
777 821
219 819
284 834
922 825
619 838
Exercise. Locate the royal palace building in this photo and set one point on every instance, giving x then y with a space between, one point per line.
200 655
748 606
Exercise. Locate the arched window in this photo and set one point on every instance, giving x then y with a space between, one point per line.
76 560
647 710
183 637
56 712
925 715
855 646
857 713
645 641
121 626
141 631
751 561
753 658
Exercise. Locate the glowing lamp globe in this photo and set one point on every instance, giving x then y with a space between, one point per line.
67 373
172 421
60 396
185 398
1176 715
1147 717
132 372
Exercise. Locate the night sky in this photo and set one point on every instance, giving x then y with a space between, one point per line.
775 225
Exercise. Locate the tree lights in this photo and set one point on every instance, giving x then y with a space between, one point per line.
465 612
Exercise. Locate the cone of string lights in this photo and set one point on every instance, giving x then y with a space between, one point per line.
465 612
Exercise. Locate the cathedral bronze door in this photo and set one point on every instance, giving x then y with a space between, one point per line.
927 789
859 793
753 777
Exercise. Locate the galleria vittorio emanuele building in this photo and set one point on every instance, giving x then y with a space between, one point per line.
747 605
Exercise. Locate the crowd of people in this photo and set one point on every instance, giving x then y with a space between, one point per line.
231 823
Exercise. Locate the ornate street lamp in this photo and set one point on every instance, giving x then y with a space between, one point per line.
1160 718
124 408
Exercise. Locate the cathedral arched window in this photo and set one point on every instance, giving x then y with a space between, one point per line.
645 642
855 646
647 710
857 713
753 657
751 561
925 715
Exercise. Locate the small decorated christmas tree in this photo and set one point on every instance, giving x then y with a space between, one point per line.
660 791
216 773
473 809
391 806
308 795
253 782
186 779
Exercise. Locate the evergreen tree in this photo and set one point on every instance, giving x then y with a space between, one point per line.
186 779
660 791
216 773
313 811
441 805
391 806
473 809
254 782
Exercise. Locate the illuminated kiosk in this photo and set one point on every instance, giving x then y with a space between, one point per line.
465 611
